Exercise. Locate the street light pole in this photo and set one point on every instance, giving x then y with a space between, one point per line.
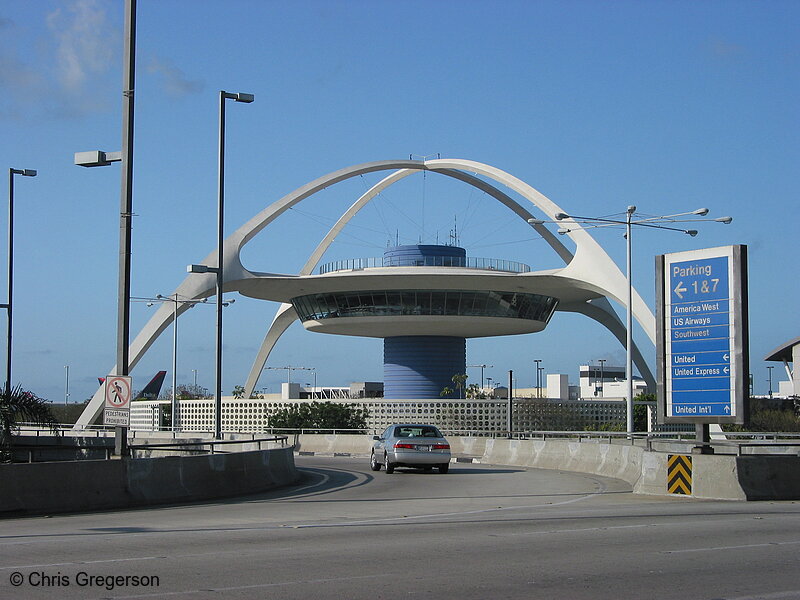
510 409
542 382
629 324
97 158
66 392
9 305
770 380
602 374
538 380
175 300
126 194
481 367
652 222
174 416
289 370
238 97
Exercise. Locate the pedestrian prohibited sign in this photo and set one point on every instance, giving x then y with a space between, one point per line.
117 401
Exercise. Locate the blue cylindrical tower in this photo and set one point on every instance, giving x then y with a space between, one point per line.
421 366
423 255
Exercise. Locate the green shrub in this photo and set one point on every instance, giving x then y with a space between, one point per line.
319 415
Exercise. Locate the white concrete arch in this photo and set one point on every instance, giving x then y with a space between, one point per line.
198 286
590 264
282 320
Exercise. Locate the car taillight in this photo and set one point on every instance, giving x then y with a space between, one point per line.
402 445
441 446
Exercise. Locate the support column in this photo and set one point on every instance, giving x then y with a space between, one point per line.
420 367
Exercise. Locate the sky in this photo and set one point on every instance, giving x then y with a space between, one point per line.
668 106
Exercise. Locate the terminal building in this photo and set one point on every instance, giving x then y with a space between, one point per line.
422 301
789 355
556 406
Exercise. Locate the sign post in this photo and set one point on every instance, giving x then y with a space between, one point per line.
117 409
702 337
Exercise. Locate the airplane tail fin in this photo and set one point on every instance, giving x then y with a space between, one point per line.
153 389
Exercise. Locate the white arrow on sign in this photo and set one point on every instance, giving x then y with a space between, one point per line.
727 409
726 370
725 356
679 289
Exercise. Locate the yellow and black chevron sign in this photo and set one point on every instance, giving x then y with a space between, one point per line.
679 474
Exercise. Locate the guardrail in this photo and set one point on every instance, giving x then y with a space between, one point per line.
738 441
212 444
465 262
32 448
202 447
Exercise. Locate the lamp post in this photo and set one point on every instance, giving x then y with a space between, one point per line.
98 158
238 97
289 372
66 391
194 372
176 300
481 367
540 375
9 305
602 362
656 222
510 409
538 381
770 380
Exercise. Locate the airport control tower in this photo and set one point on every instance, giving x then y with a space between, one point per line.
424 322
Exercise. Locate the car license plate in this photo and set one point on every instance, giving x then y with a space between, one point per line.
424 448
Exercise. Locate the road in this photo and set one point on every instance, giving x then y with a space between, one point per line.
478 532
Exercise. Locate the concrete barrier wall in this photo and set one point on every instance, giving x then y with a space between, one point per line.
720 477
361 445
41 488
610 460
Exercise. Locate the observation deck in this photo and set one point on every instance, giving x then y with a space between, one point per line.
408 306
464 262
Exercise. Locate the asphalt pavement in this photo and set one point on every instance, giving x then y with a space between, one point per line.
478 532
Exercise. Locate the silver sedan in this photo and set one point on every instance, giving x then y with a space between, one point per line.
417 446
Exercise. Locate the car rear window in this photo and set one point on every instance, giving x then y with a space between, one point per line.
411 431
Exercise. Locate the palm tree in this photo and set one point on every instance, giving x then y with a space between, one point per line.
22 405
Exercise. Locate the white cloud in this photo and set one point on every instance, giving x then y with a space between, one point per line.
174 79
64 74
85 42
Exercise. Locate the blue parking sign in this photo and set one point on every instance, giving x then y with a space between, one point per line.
701 342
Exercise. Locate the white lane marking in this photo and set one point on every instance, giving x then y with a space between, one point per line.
325 479
77 563
583 530
788 595
740 547
601 485
255 586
